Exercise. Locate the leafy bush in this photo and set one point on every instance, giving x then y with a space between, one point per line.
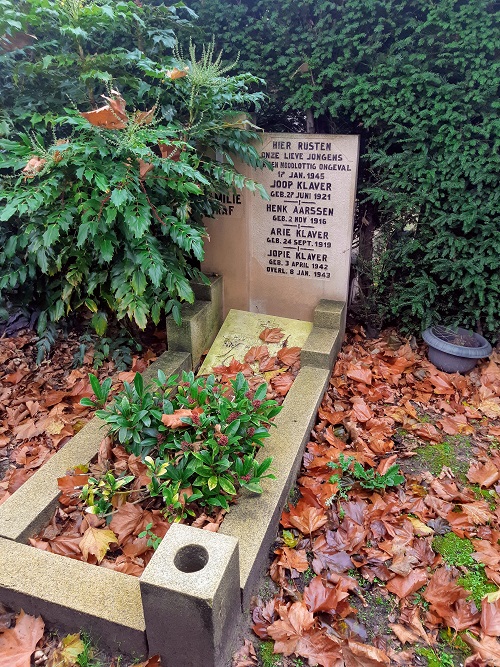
103 210
418 82
198 440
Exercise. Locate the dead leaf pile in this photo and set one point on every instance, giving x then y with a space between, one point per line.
40 405
336 554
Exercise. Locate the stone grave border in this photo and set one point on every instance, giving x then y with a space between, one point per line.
188 603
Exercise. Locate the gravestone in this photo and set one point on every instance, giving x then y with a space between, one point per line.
282 256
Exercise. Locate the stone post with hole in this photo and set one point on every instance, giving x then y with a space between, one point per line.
191 598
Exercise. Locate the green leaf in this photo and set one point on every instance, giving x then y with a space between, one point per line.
50 235
227 485
99 322
120 196
212 482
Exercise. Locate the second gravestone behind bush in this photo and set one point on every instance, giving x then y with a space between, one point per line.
280 257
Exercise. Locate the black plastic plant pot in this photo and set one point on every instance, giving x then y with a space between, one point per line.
455 350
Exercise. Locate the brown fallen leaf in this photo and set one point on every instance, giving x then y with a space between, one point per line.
490 618
363 655
404 586
484 474
271 335
18 643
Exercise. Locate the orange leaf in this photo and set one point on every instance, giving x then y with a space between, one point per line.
282 383
257 353
485 474
175 419
309 520
271 335
289 355
360 410
295 621
404 586
321 598
490 618
18 643
363 655
293 559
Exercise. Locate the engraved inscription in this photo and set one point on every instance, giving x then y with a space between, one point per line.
300 218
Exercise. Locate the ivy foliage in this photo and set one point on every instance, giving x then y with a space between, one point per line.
103 211
419 83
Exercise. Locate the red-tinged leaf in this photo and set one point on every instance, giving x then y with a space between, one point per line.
486 553
28 429
282 383
126 520
271 335
293 559
245 656
490 618
155 661
289 355
404 635
126 565
488 648
18 643
96 542
455 424
363 655
256 353
319 649
478 511
427 432
71 486
484 474
309 520
404 586
360 373
268 364
16 478
14 378
360 410
294 622
263 616
319 597
175 419
232 369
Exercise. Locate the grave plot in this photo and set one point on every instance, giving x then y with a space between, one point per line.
121 608
277 263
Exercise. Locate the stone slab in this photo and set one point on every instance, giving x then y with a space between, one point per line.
280 257
74 595
32 505
254 519
201 321
191 597
241 330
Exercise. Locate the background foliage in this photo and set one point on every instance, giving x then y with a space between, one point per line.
108 219
419 83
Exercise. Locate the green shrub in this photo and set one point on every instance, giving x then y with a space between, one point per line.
192 434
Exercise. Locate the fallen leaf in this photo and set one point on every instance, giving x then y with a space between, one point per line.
96 541
18 643
362 655
293 624
404 586
271 335
66 654
490 618
484 474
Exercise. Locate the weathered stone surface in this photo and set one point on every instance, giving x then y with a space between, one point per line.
191 597
201 321
330 315
74 595
240 332
282 256
254 519
31 506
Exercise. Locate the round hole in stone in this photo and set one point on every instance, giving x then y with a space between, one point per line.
191 558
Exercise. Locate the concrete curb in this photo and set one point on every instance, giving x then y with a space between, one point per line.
168 608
